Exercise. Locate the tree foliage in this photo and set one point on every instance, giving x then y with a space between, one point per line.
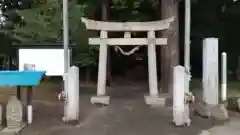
43 21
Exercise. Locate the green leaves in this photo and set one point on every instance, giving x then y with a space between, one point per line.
87 58
44 21
134 10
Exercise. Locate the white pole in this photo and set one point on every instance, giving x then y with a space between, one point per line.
224 77
187 48
187 35
29 114
65 35
65 46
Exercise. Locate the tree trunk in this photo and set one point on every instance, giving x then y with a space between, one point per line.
88 74
105 13
169 53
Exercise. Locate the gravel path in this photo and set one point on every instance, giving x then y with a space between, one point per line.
126 115
123 117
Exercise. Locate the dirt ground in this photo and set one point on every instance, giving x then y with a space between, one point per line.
126 115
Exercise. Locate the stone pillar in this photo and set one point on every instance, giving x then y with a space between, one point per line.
152 67
210 71
153 97
180 113
72 96
102 70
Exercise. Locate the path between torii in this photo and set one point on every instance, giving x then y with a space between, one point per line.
126 115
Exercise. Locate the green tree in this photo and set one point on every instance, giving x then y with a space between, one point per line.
43 21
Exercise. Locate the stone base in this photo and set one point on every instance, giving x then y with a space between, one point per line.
202 110
12 131
156 101
104 100
218 112
70 122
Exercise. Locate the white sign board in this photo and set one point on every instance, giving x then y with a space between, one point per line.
50 60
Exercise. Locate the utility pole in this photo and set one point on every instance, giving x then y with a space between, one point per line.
65 46
65 35
187 42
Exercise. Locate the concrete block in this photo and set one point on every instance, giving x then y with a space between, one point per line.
155 101
105 100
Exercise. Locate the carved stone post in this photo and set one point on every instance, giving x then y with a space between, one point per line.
210 71
14 113
180 111
72 97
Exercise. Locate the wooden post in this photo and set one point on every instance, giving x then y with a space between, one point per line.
29 95
19 93
210 71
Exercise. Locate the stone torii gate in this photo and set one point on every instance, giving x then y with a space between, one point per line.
127 27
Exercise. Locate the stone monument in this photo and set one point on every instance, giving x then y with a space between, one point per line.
180 105
14 113
71 108
210 79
